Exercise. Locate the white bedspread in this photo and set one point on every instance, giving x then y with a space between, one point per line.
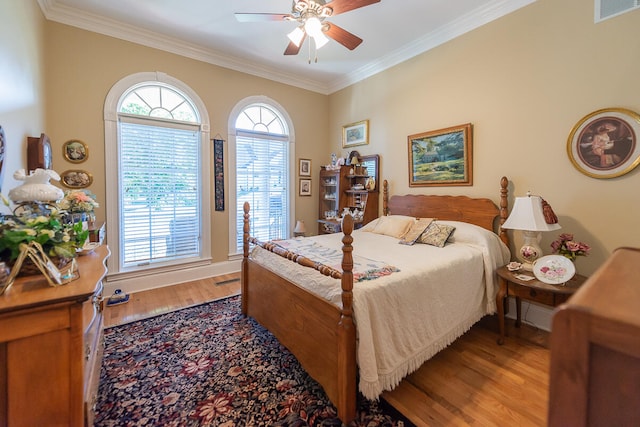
405 318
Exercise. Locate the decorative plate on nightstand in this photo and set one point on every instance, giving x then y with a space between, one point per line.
554 269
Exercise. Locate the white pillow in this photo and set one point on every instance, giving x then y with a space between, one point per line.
469 233
393 225
370 226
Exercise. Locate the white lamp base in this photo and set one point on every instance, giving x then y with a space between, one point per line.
530 250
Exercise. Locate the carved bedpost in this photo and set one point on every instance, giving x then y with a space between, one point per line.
385 197
504 213
245 257
346 374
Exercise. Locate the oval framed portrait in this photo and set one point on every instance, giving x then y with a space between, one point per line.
604 144
75 151
76 179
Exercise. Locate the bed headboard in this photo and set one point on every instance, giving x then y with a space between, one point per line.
479 211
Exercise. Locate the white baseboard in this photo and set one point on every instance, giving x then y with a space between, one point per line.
168 278
532 314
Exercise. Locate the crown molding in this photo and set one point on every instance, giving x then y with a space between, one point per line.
465 23
98 24
108 27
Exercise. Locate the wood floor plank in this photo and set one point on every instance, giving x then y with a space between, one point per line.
170 298
473 382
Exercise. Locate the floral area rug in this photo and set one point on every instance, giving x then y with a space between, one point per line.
209 366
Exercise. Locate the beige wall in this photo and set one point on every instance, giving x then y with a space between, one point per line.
21 84
523 81
82 67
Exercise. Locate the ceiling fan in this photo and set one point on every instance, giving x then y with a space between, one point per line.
311 15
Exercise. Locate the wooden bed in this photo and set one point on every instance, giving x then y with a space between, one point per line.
321 335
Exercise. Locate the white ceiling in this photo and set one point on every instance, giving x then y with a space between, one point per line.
207 30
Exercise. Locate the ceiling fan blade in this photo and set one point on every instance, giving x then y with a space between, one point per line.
341 6
261 17
292 49
344 37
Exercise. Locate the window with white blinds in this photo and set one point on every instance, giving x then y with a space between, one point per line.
262 172
262 179
159 190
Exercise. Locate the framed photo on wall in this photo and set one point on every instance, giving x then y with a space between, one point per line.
441 157
355 134
75 151
305 187
304 168
76 179
604 144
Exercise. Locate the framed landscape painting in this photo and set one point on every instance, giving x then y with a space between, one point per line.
441 157
355 134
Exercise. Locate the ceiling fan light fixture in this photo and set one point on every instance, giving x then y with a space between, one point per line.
296 36
320 40
313 27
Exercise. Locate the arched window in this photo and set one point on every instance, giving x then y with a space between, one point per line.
261 143
157 144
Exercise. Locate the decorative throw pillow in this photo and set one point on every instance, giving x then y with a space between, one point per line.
436 234
393 225
415 231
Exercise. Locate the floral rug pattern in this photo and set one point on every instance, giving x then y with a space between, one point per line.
209 366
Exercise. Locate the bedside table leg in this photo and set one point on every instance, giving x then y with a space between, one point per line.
518 311
500 307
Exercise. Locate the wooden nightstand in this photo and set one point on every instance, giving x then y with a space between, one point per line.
531 290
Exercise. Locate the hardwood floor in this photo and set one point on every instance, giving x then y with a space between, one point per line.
473 382
169 298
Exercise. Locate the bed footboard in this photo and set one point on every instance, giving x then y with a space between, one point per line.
321 335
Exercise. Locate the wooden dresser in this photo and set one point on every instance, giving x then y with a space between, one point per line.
595 349
51 347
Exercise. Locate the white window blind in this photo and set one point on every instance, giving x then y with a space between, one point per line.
159 191
262 179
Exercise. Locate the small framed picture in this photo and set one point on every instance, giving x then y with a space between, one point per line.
75 151
604 144
305 167
305 187
355 134
76 179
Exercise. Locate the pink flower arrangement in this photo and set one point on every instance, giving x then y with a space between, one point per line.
75 201
566 246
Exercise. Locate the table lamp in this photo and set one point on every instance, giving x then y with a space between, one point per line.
300 229
532 215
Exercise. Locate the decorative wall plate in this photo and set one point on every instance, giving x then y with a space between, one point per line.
604 144
554 269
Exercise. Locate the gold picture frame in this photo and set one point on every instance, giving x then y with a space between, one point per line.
442 157
75 151
355 134
76 178
604 144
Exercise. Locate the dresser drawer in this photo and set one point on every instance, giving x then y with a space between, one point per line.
530 294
